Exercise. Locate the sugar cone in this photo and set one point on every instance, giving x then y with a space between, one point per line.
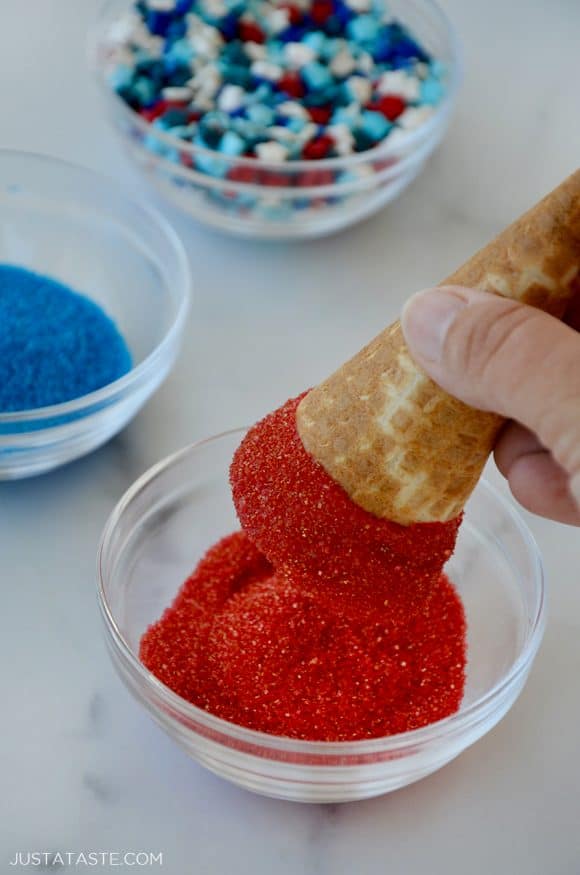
400 446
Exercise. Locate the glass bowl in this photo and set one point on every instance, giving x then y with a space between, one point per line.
291 199
170 517
79 227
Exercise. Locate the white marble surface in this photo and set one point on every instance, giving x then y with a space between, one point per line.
82 765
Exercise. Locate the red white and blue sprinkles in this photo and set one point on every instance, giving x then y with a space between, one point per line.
273 80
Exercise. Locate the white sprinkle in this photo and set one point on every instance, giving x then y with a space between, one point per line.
206 82
342 64
215 8
266 70
359 5
298 55
343 138
280 133
292 109
176 93
255 51
399 82
203 102
205 39
308 132
277 20
231 98
365 63
360 88
271 151
161 5
123 29
414 116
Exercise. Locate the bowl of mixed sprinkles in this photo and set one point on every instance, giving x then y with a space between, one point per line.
278 118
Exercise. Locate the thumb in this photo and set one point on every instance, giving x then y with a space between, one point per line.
499 355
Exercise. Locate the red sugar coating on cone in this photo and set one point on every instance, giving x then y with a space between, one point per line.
347 630
306 524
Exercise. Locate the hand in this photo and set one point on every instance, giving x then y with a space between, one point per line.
499 355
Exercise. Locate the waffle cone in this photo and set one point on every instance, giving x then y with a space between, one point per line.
400 446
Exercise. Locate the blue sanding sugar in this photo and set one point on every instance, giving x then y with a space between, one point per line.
55 345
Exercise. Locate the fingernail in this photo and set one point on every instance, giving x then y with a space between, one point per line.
426 319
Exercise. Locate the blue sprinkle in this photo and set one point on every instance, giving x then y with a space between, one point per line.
315 40
176 29
295 124
342 12
262 94
333 26
346 116
294 33
121 77
228 26
260 114
408 48
232 144
144 91
374 124
159 22
210 165
382 49
363 28
276 52
173 117
247 129
316 76
55 344
235 74
431 92
331 48
181 52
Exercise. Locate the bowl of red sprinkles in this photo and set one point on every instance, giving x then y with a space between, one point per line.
269 688
279 119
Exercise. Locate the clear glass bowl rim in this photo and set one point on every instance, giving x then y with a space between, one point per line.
459 722
380 151
183 287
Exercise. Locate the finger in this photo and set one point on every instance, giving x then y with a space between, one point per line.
497 354
543 487
514 441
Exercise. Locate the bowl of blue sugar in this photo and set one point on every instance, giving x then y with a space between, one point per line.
94 290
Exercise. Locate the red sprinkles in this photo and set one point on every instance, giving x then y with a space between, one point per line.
318 621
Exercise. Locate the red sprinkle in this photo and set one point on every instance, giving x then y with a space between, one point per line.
318 148
153 112
242 173
321 10
271 177
391 106
294 13
250 32
315 177
292 84
319 621
320 114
